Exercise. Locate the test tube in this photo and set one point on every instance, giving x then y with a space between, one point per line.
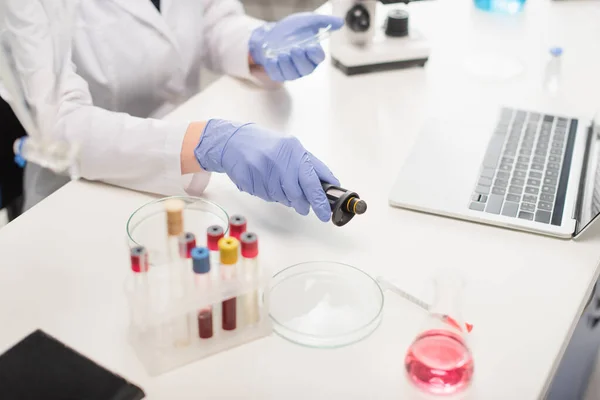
228 248
139 264
179 325
237 226
201 268
250 270
187 242
214 233
139 267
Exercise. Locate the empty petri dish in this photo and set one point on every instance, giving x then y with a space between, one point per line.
492 66
301 37
324 304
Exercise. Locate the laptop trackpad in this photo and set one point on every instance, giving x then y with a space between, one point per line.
442 169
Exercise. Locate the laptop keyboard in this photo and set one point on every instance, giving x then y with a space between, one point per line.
521 171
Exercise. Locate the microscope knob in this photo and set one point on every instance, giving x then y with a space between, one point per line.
358 19
397 23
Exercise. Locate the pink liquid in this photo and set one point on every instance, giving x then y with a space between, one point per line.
439 362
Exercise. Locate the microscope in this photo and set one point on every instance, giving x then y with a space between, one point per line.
366 44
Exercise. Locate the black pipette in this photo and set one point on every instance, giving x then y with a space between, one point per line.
344 204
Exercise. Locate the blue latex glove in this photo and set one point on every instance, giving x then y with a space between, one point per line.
301 60
266 165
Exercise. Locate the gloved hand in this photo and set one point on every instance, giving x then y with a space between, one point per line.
266 165
301 60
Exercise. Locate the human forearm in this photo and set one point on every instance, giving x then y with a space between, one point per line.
189 164
137 153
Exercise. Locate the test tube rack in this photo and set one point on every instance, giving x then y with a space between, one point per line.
153 314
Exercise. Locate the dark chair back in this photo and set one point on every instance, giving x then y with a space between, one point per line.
11 175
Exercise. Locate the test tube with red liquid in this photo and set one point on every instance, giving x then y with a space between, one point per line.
229 248
202 281
439 362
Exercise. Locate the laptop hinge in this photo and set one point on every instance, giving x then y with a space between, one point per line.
582 180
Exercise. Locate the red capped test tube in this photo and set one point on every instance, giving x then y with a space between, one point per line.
214 233
140 289
237 226
139 259
187 242
249 242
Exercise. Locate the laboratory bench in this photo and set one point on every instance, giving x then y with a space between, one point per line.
65 261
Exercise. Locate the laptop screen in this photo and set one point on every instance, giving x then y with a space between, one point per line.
589 209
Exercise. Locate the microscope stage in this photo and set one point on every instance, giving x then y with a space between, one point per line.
383 53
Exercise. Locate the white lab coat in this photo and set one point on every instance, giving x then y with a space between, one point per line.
130 66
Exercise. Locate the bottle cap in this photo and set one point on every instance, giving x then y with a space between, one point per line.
139 259
213 234
174 209
229 247
237 226
249 244
200 260
556 51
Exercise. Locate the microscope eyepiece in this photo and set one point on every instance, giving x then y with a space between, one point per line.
358 18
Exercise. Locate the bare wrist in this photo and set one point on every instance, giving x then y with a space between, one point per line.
189 164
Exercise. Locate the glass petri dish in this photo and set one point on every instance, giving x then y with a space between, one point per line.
324 304
147 226
493 66
301 37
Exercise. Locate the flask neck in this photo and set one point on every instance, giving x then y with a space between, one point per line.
448 296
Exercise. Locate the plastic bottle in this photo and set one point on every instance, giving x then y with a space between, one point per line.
501 6
553 71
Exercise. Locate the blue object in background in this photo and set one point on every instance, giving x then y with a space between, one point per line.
500 6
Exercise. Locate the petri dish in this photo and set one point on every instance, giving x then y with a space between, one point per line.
492 66
324 304
300 37
147 226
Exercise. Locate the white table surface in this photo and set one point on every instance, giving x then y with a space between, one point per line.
63 263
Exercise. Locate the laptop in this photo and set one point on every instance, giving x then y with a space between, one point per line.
517 168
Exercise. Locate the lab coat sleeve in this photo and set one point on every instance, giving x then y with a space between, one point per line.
117 148
227 33
137 153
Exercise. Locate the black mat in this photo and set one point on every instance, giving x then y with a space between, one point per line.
41 367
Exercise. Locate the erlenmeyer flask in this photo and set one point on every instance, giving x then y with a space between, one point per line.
439 362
